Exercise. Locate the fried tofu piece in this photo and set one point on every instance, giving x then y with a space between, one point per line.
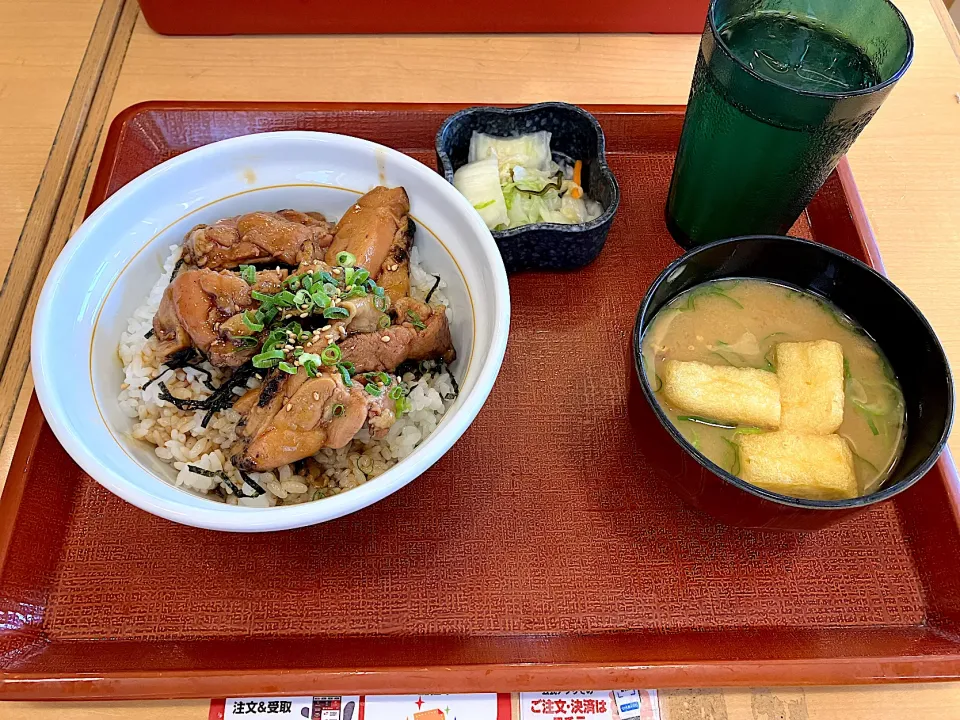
742 396
811 386
815 467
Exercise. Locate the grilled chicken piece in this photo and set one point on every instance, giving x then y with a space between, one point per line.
379 233
203 309
365 316
291 417
370 352
192 310
284 237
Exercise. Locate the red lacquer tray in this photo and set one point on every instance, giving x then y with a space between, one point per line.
295 17
539 553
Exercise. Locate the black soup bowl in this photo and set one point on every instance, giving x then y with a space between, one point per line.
873 302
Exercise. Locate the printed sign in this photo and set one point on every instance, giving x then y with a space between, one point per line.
480 706
288 708
590 705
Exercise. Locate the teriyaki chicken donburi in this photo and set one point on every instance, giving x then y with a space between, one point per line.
282 358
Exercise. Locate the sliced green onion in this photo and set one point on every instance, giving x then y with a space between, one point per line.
338 410
345 374
401 406
285 299
293 327
384 322
379 291
267 313
345 259
872 425
481 206
735 465
396 392
320 299
268 359
263 297
310 362
307 282
292 282
355 291
301 298
322 276
249 274
244 342
361 276
331 355
336 313
250 320
748 430
348 365
705 421
373 389
288 368
380 302
348 274
331 289
415 320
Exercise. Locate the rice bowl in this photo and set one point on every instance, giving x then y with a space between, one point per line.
121 251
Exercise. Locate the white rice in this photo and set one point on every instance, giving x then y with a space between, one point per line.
179 439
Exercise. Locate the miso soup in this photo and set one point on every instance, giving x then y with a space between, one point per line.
777 386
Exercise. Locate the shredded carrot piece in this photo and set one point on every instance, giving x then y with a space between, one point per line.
576 192
577 168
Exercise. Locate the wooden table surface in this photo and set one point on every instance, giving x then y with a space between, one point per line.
68 66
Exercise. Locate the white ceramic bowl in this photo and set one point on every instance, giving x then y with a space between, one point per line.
109 265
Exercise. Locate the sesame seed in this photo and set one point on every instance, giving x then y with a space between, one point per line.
325 327
380 383
258 376
393 268
303 315
336 271
298 347
316 396
349 288
305 306
288 347
124 386
289 407
386 338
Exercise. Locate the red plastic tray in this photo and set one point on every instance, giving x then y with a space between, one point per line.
539 553
294 17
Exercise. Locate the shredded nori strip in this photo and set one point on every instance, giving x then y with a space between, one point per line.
201 471
230 484
215 473
180 359
250 481
436 284
176 269
148 334
453 381
208 380
221 399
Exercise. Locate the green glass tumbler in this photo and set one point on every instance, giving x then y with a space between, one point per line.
781 90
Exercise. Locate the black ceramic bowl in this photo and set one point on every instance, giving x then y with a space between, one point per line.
576 134
866 296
